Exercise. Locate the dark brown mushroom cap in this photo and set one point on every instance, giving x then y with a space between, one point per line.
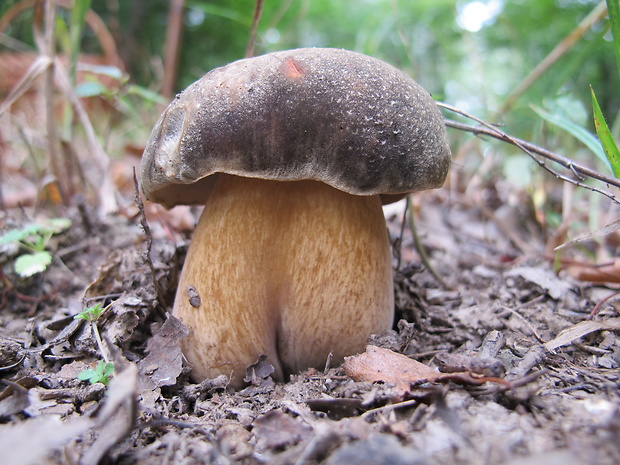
346 119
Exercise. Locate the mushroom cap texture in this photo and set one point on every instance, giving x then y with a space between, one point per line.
340 117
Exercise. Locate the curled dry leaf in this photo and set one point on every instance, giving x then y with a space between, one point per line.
595 273
258 371
383 365
572 333
543 278
164 361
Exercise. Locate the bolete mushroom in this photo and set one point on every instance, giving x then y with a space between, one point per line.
292 153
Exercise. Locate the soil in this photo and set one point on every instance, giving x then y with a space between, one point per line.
529 377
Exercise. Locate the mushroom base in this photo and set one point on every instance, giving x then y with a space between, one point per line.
291 270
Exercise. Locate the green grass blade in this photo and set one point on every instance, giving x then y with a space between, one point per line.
613 9
578 132
232 14
604 134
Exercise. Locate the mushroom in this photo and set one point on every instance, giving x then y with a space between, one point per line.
292 155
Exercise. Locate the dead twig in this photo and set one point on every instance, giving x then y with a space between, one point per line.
420 248
258 10
579 171
149 245
598 306
513 384
390 407
174 34
47 44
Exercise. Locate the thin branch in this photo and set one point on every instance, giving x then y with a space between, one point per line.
174 34
579 171
47 48
149 245
420 248
258 10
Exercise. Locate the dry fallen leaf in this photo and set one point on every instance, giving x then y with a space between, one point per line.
114 420
258 371
542 277
31 441
164 361
383 365
572 333
595 273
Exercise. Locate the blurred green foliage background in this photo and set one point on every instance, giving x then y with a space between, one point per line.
470 54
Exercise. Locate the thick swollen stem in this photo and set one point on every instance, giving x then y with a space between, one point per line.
291 270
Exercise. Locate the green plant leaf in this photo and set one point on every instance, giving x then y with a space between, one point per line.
90 89
578 132
18 235
91 313
88 375
57 225
108 369
221 11
103 70
30 264
53 225
146 94
14 235
604 134
100 374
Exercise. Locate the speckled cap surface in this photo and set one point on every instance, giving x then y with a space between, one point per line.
340 117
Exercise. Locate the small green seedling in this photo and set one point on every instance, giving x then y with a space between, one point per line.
104 369
101 374
34 238
90 314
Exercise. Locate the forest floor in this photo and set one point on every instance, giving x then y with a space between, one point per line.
537 380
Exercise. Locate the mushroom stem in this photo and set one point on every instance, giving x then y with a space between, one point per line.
291 270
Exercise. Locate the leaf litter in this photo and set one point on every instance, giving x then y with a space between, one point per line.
502 366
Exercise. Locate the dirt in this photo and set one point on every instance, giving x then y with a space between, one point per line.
529 377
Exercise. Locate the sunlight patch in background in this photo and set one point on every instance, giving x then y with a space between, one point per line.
473 16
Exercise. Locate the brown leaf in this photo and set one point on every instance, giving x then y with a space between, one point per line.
258 371
383 365
604 273
14 400
32 440
568 335
163 364
116 418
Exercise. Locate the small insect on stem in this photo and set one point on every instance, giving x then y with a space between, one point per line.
194 298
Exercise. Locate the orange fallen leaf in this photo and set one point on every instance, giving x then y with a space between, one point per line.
383 365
